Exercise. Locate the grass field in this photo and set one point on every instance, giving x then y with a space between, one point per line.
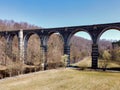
63 79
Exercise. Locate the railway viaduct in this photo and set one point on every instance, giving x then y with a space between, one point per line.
95 32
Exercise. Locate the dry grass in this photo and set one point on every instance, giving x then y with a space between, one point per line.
86 62
63 79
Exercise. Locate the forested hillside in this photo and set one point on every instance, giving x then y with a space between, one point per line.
12 25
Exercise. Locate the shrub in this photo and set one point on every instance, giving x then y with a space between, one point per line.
64 60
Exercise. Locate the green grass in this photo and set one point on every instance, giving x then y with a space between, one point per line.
63 79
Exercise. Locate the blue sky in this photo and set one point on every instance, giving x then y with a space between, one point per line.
59 13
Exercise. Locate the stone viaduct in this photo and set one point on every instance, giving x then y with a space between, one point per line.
95 31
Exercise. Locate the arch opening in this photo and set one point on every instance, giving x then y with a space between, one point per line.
80 49
55 51
54 33
33 52
12 49
106 30
76 33
15 49
109 49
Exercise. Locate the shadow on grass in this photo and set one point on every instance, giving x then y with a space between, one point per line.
114 69
80 68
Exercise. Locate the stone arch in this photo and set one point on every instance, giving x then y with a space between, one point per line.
106 29
12 53
32 55
108 47
27 36
75 31
55 45
76 52
11 36
53 32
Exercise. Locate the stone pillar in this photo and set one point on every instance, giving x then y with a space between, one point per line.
95 55
67 52
21 46
44 56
